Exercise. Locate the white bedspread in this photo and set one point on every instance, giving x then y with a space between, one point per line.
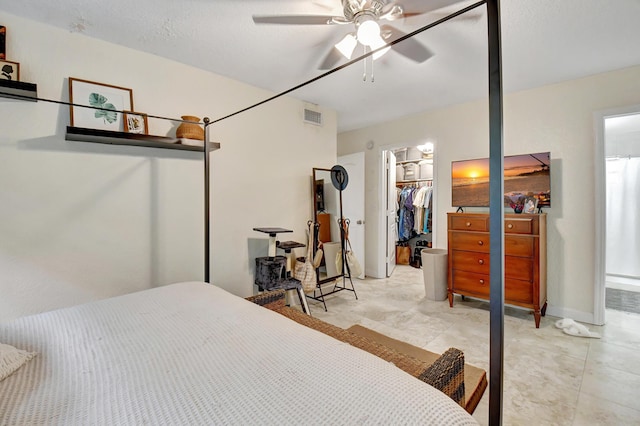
192 353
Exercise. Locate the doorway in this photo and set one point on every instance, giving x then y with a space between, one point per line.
353 203
622 175
408 204
616 191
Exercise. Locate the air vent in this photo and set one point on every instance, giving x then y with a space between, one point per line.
313 117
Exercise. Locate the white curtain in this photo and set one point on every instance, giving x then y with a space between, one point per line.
623 217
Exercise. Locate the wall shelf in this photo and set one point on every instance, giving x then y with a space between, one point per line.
18 90
81 134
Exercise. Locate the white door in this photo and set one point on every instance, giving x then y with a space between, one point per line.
391 212
353 203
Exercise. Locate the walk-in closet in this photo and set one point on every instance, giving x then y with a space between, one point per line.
412 193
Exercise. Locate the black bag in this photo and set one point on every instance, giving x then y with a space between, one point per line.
417 257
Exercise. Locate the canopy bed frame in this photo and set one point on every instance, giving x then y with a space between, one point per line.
27 91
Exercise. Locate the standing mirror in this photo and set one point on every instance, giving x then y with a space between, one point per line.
327 211
326 215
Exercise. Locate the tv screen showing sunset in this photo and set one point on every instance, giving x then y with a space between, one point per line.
524 176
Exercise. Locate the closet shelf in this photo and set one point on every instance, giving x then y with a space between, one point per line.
18 90
81 134
415 161
413 181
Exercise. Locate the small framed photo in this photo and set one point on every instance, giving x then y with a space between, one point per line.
135 122
9 70
530 205
98 105
3 42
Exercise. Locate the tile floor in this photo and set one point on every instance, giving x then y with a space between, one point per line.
549 378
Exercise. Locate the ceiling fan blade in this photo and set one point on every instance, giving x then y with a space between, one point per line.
331 59
297 19
410 14
473 16
411 48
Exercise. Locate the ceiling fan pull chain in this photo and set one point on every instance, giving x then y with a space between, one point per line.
364 74
373 78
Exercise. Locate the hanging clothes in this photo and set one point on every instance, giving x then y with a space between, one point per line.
405 214
414 210
418 209
421 204
426 228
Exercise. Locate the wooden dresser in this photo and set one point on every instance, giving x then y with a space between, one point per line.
525 266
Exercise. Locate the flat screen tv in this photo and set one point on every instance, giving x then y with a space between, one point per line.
524 175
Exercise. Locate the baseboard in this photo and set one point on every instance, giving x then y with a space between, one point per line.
561 312
375 272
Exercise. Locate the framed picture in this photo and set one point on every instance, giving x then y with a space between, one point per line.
106 104
3 42
134 122
530 205
9 70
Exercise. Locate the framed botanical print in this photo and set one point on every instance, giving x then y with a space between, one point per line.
98 105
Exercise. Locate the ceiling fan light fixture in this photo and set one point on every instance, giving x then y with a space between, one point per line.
368 32
347 45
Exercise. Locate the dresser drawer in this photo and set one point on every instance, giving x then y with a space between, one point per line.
514 245
518 246
518 225
518 291
470 282
470 261
469 223
469 241
520 268
515 291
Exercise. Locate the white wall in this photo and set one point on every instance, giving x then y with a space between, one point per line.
557 118
80 221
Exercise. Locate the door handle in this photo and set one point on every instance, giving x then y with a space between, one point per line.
360 222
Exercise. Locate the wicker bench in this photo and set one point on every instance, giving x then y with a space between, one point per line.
445 374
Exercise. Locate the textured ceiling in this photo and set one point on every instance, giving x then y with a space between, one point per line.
544 41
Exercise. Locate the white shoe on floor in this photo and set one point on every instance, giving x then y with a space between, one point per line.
572 328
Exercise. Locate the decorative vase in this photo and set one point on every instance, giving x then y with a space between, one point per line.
190 130
518 208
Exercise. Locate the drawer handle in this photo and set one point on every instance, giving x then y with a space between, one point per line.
468 224
510 225
481 261
480 243
482 282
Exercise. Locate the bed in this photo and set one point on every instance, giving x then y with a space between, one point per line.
192 353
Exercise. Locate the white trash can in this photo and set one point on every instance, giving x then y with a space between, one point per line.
434 270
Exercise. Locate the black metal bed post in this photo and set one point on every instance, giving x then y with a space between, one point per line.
342 242
496 215
207 218
343 247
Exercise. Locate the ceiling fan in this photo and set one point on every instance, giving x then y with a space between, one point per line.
365 16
